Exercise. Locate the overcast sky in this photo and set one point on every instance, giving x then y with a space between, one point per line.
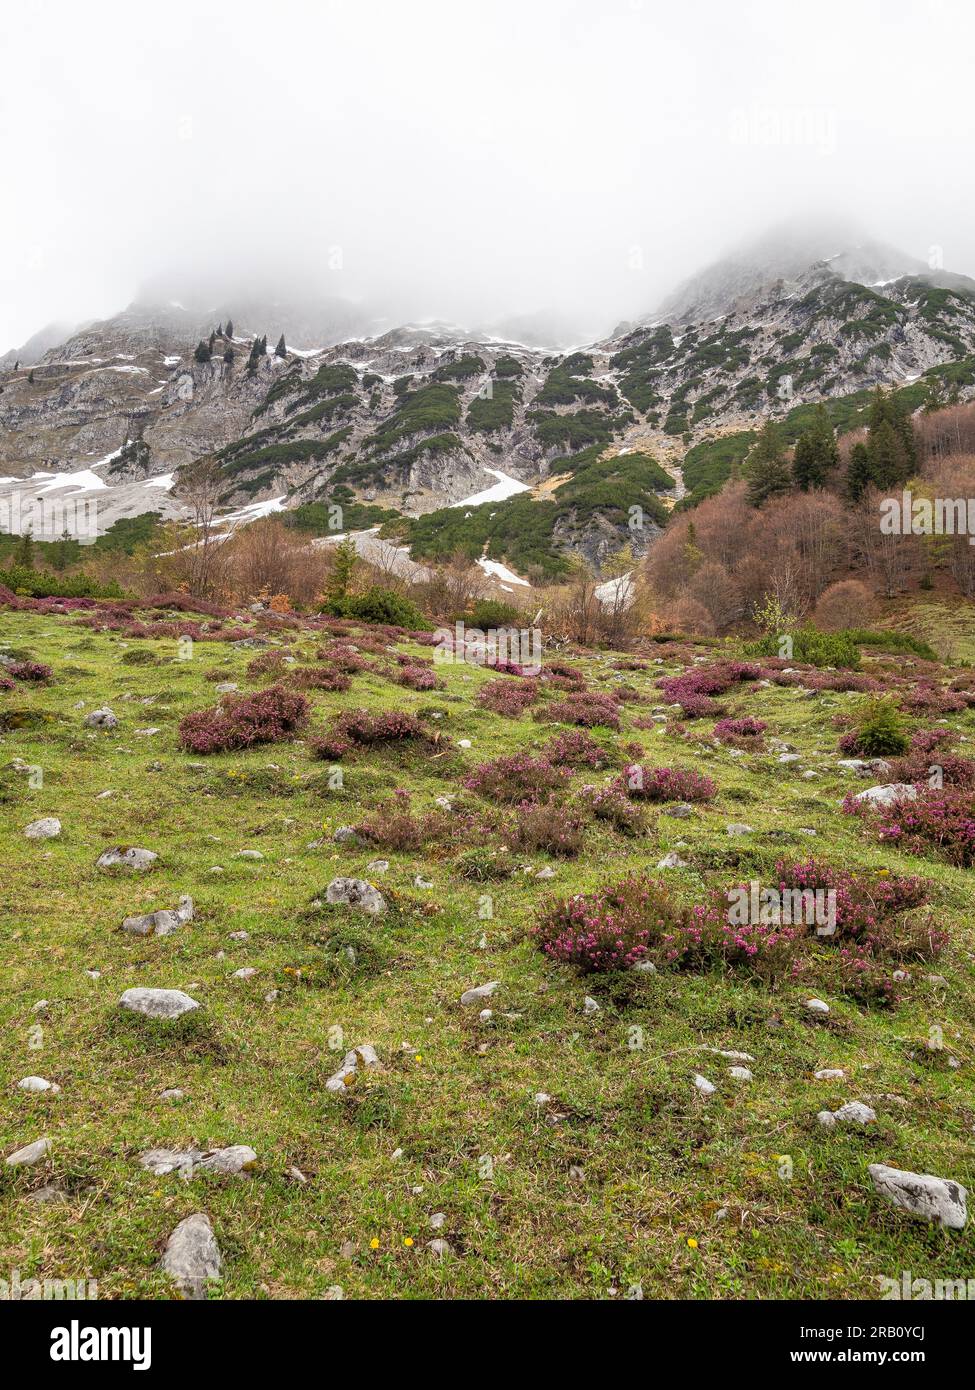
459 160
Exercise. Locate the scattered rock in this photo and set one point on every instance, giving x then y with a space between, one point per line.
246 972
192 1256
173 1094
547 872
672 861
346 835
739 829
357 894
817 1006
226 687
378 866
135 859
886 795
341 1080
30 1153
158 1003
680 810
474 996
706 1087
922 1195
591 1006
440 1248
101 719
38 1083
740 1073
854 1112
163 922
830 1074
47 828
254 854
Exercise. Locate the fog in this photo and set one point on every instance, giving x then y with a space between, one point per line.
469 162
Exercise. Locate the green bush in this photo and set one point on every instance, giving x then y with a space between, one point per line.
489 612
378 605
880 730
812 646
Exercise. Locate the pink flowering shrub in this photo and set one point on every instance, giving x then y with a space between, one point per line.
344 658
548 827
516 778
266 664
610 929
322 677
508 698
393 826
5 682
586 708
389 726
418 677
746 732
930 699
576 748
666 784
692 689
29 671
939 822
612 804
266 717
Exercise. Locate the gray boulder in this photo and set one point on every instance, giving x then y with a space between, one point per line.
47 828
136 859
102 718
30 1153
357 894
158 1003
161 923
922 1195
192 1256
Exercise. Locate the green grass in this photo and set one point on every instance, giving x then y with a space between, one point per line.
657 1160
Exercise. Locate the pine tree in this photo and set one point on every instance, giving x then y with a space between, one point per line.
30 376
816 454
229 357
766 470
281 349
212 339
858 475
219 330
345 560
202 353
24 554
230 328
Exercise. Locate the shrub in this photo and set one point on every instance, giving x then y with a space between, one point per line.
938 821
509 698
393 826
610 929
843 604
266 664
29 671
518 777
547 826
576 748
746 731
379 605
692 689
344 658
612 804
266 717
417 677
318 678
585 708
390 726
666 784
491 613
926 698
879 731
930 762
815 647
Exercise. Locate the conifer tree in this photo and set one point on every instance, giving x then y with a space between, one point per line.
766 470
816 454
281 349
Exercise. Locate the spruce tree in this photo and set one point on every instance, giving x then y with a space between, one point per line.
202 353
281 348
765 470
858 475
24 554
230 328
816 454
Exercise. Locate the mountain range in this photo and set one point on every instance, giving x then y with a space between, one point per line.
399 425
